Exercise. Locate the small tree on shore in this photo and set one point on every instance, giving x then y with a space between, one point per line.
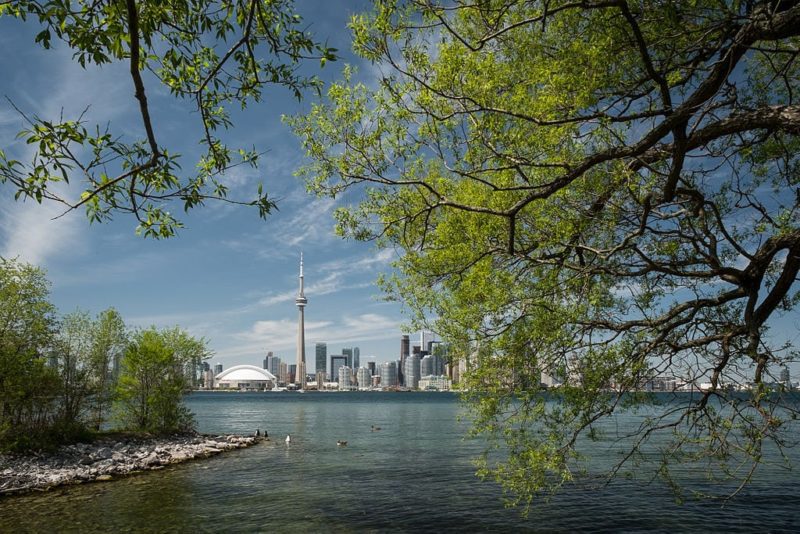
153 380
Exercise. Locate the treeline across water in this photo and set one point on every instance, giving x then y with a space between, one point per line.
65 377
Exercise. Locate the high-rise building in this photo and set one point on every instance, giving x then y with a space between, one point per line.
293 373
321 350
363 378
426 366
348 353
267 361
786 378
273 364
371 367
412 371
345 378
356 358
217 369
337 360
405 346
301 301
388 374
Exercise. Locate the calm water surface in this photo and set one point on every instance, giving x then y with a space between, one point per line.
414 474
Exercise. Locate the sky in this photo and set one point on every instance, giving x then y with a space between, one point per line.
228 276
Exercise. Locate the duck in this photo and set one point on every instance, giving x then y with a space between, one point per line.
341 443
374 428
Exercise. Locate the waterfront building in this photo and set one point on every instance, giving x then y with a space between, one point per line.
435 383
405 345
371 367
348 353
411 371
337 360
217 368
208 379
356 357
283 372
345 378
245 377
321 352
301 301
376 381
388 375
273 365
363 378
320 378
293 373
426 366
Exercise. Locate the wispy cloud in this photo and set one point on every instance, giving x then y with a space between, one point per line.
278 335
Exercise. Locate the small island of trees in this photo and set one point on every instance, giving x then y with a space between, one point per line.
67 378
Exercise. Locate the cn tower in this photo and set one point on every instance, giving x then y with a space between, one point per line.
301 301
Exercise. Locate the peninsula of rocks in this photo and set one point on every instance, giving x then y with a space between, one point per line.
107 458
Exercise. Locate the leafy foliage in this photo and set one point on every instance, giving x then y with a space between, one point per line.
604 192
214 55
154 379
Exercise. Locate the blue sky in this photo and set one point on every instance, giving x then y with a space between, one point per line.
228 276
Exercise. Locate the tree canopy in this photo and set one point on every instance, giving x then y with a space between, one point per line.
605 191
213 55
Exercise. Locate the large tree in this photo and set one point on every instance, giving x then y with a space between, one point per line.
212 55
29 388
603 190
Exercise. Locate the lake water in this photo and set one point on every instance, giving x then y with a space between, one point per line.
415 474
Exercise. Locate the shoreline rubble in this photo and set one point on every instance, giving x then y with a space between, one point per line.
109 458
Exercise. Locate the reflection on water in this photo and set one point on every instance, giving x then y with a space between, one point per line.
413 474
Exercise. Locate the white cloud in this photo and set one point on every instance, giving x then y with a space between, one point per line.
280 335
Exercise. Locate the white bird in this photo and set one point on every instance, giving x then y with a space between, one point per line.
288 438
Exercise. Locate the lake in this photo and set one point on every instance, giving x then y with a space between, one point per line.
413 474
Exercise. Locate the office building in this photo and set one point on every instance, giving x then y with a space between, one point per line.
217 368
405 346
337 360
267 361
356 358
426 366
321 350
348 353
388 374
411 371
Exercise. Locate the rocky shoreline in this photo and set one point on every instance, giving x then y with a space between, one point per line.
108 458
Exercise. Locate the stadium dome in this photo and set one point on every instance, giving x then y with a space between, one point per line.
245 377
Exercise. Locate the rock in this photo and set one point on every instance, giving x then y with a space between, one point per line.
103 478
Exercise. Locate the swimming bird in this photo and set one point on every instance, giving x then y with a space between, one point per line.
288 438
374 428
341 443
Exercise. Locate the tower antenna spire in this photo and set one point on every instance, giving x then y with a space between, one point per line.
301 301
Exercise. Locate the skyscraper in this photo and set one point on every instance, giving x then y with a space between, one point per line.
337 360
322 357
301 301
356 358
405 350
348 353
267 361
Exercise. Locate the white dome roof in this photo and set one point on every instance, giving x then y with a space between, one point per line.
245 373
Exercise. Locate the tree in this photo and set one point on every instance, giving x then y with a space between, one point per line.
28 387
154 379
606 191
71 356
108 343
213 55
